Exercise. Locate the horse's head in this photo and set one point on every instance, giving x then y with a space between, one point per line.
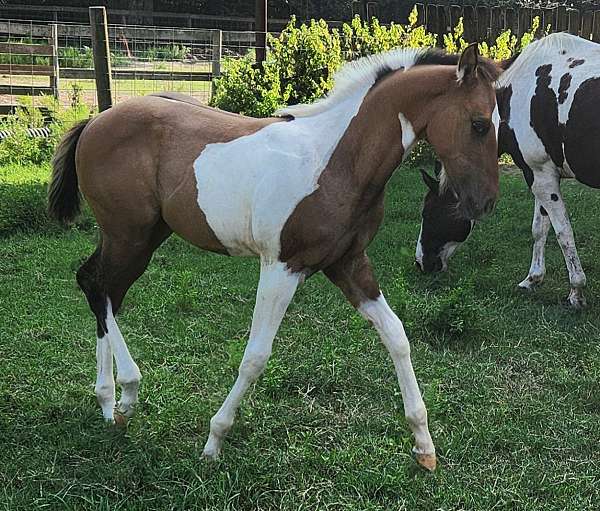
443 229
462 129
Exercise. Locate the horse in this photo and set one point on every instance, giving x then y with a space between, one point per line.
303 191
549 125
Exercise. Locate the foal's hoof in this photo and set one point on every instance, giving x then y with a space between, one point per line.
212 449
120 419
427 461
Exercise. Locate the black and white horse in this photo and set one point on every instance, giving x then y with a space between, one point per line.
549 103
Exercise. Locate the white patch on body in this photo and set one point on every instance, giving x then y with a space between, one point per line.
393 336
496 120
408 135
248 188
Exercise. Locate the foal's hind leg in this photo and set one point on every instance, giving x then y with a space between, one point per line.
276 288
105 279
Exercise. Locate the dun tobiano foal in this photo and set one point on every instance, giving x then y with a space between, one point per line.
304 192
550 125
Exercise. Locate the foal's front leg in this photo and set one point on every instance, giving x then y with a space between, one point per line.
546 188
539 229
354 276
276 288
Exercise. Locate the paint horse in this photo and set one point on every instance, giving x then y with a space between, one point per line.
550 125
303 192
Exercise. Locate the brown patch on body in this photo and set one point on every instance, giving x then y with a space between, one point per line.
544 115
576 62
563 87
507 140
582 132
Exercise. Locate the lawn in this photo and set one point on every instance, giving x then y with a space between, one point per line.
510 379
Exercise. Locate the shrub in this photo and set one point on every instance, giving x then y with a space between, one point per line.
303 59
20 147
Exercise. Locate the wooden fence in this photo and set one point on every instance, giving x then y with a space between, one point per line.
485 23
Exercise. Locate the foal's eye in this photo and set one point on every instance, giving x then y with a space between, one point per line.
480 126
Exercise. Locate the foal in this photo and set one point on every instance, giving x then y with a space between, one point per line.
550 125
304 192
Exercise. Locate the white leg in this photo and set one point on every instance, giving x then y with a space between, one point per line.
128 373
394 338
539 229
276 288
105 380
546 187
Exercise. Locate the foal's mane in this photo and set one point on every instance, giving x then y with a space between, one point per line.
366 71
541 50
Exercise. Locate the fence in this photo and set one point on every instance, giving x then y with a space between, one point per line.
144 60
485 23
132 17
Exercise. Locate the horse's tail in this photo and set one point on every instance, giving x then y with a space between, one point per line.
64 199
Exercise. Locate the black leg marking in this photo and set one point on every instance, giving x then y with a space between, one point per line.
89 278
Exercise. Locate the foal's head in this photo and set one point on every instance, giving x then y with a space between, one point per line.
442 227
462 130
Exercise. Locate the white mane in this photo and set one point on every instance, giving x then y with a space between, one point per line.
546 48
354 76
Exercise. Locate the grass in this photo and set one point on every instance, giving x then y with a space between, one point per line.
510 379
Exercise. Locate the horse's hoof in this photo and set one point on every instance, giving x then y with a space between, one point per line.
530 283
576 301
427 461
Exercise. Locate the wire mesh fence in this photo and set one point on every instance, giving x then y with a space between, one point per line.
41 59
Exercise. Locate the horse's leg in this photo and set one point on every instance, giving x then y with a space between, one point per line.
539 229
546 188
354 276
105 278
276 288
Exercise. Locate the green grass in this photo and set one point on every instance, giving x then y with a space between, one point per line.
510 379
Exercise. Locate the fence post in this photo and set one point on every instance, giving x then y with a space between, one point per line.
217 50
261 30
55 78
102 70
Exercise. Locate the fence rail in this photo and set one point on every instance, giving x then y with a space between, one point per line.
486 23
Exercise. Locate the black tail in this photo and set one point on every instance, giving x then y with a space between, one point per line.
64 199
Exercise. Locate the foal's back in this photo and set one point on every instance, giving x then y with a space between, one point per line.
138 158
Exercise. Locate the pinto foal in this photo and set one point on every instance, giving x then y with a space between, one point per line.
304 192
550 125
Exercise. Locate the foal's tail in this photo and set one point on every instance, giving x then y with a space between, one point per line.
64 199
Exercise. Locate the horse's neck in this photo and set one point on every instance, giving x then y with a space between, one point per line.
377 139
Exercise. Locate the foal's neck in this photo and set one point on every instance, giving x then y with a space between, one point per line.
395 111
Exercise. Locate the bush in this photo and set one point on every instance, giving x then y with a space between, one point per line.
303 59
20 147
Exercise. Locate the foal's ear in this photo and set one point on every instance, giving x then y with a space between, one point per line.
432 183
467 64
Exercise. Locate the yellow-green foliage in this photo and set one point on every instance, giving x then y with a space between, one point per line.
303 59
